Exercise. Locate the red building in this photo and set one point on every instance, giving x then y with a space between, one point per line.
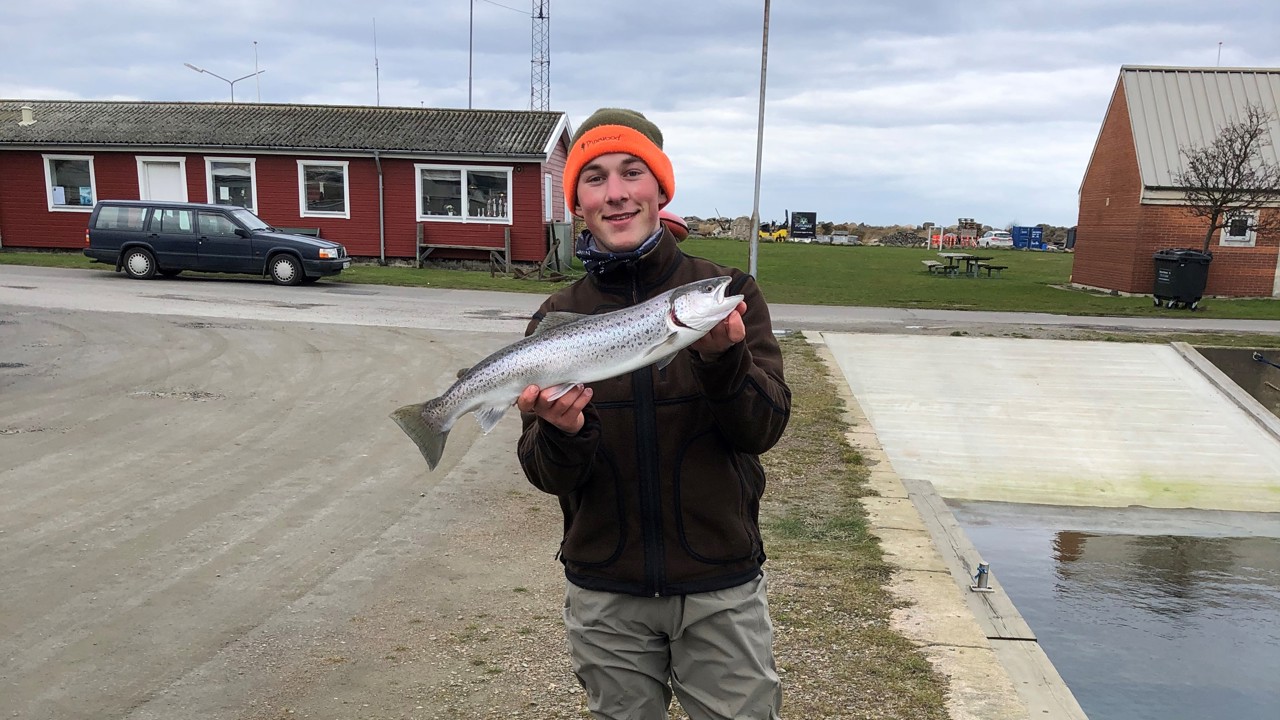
373 178
1130 206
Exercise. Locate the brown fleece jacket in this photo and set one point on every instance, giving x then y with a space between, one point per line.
661 488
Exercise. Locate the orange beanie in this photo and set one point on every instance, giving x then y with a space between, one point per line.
615 130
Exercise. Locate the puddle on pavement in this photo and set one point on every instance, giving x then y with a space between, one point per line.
1170 614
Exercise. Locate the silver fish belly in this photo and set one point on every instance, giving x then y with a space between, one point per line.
567 350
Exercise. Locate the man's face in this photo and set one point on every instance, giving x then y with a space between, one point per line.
618 198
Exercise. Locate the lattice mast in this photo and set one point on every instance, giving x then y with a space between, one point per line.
540 79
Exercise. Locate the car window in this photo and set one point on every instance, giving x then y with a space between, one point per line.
249 220
114 217
173 221
216 224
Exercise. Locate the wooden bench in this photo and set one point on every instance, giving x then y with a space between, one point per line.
938 268
499 257
990 268
309 231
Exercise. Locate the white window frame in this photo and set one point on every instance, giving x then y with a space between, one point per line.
1250 237
253 178
462 178
346 189
182 170
48 184
548 192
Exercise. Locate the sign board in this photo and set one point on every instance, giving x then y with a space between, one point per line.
804 224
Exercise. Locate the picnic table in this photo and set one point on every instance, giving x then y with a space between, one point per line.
966 263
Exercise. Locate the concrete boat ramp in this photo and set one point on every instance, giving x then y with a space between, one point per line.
1062 422
1052 422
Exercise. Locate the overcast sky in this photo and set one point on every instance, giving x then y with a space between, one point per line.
902 111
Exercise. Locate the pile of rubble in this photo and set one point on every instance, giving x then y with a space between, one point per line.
902 238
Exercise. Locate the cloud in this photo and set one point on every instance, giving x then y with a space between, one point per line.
879 112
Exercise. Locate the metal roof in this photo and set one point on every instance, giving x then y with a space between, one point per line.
249 126
1175 107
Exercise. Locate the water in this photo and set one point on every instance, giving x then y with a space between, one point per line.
1159 614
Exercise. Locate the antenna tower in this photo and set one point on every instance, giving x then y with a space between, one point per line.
540 82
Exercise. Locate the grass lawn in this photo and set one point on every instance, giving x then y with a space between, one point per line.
832 275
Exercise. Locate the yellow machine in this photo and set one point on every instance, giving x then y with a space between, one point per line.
774 233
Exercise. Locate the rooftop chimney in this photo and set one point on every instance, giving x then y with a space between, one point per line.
27 117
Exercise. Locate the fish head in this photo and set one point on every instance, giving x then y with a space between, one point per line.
700 305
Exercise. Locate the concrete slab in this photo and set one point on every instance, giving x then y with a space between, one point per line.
1058 422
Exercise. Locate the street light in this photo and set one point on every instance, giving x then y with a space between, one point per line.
232 83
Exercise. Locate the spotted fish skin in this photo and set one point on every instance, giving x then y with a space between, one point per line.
567 350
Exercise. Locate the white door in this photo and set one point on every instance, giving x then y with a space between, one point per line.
162 179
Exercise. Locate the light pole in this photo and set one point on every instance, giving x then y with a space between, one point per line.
754 230
232 83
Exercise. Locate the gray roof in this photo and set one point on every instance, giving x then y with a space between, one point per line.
249 126
1175 107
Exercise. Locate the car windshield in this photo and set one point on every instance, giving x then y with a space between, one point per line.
249 220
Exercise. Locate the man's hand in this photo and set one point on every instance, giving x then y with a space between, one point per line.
565 412
727 333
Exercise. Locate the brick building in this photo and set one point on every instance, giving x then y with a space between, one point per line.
1129 205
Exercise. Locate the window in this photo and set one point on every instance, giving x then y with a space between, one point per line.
69 182
172 221
546 198
216 224
115 217
323 187
1239 231
486 198
231 181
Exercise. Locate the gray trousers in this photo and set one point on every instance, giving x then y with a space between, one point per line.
715 650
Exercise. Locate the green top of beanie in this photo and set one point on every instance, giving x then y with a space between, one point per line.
624 117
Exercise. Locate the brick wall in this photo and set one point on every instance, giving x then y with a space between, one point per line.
1110 214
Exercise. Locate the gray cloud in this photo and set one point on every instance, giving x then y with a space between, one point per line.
880 112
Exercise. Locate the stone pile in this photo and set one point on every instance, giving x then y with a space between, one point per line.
902 238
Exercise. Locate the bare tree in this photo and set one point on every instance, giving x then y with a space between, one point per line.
1229 181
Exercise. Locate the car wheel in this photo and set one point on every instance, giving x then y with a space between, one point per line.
168 273
139 264
286 270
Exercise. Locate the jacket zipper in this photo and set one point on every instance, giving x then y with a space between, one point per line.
650 487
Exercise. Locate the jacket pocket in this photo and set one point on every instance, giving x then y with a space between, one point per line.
714 502
596 519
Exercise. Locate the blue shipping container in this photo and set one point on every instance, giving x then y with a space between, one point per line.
1026 236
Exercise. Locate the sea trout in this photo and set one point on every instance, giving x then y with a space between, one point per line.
568 349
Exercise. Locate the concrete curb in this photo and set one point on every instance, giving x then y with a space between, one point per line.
1246 402
994 666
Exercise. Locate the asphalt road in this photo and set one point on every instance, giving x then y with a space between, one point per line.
198 477
171 486
432 309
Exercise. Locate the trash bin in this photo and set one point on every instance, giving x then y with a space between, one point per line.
1181 275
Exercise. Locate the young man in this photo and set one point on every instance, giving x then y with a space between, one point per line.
657 472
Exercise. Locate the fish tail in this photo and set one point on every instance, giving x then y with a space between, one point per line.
425 429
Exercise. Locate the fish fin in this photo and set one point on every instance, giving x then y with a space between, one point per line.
556 319
560 390
659 353
425 434
463 371
489 416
